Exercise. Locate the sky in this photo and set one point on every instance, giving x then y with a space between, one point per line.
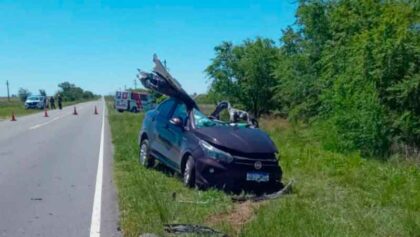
98 45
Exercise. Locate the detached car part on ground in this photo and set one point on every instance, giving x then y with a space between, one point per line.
207 152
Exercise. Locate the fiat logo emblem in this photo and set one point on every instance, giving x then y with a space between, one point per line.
258 165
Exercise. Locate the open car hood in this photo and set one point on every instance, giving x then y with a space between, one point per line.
239 139
162 82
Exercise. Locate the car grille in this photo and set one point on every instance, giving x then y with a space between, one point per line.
248 161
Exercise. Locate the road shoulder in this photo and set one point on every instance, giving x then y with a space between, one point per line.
110 211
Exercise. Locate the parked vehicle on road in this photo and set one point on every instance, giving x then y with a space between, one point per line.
207 152
130 101
35 102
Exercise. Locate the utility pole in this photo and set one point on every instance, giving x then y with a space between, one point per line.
8 96
135 84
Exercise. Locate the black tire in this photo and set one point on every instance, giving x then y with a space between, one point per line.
120 110
145 159
189 173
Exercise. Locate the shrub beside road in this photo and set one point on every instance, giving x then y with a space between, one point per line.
334 194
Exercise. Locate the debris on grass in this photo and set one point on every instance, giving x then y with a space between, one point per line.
257 198
244 208
192 229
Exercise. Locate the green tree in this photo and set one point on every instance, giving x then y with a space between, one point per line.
354 65
42 92
24 94
256 63
243 74
297 91
71 92
221 73
348 66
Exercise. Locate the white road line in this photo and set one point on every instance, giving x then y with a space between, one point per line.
50 121
43 124
95 224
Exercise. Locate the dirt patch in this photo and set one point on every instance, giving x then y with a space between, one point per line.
240 214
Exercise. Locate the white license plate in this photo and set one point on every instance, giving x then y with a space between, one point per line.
257 176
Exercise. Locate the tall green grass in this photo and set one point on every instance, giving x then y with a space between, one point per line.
338 195
333 194
13 106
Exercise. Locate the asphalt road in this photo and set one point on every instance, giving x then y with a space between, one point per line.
49 168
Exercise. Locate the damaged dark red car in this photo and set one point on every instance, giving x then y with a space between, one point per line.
206 151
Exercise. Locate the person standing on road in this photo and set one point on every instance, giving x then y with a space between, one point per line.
46 103
52 102
60 100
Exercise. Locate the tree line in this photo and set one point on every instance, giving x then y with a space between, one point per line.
67 91
350 67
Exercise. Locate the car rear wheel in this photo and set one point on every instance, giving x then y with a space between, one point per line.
189 173
144 157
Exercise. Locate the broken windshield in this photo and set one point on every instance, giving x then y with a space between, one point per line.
202 121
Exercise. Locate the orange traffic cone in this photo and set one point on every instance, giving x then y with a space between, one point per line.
45 113
96 110
74 112
13 117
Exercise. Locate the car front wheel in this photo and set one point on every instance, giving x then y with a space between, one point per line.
189 173
144 157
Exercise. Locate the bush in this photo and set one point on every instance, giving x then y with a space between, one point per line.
24 94
71 92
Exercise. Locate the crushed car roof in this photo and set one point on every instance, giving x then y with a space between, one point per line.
161 81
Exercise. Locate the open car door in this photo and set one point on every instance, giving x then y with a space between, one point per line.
162 82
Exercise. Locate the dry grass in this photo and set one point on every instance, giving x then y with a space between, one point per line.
236 217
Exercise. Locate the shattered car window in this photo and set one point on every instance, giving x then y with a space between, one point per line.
202 121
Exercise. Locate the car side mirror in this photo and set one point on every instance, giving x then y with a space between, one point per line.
177 121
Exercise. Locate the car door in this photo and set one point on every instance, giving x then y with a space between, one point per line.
161 144
175 134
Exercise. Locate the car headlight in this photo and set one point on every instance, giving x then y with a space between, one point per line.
214 153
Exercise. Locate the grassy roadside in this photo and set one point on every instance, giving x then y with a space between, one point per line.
338 195
16 106
334 194
145 196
